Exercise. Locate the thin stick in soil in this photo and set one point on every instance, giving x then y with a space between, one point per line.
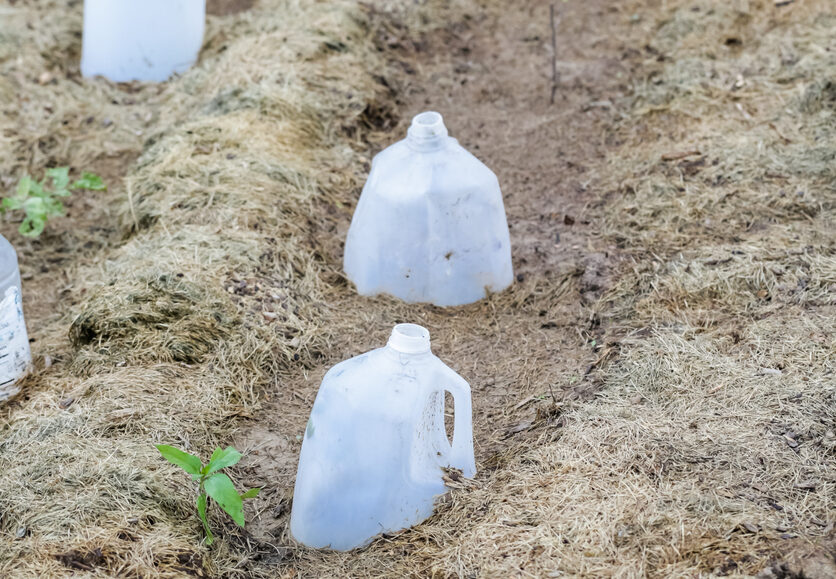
553 21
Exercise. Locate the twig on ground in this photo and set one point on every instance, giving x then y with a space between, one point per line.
605 353
680 155
525 402
553 21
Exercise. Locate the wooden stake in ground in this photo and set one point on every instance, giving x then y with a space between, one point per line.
554 51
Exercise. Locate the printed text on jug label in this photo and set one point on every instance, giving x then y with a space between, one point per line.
14 343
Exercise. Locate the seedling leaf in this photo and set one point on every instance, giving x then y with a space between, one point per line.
89 181
36 208
222 491
31 227
60 180
222 459
11 203
188 462
250 494
24 186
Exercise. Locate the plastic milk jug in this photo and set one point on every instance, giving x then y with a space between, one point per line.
15 358
147 40
430 225
375 444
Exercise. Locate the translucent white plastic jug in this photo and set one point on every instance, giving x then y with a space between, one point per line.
375 444
15 358
146 40
430 225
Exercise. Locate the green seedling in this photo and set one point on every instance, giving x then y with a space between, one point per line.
212 483
39 202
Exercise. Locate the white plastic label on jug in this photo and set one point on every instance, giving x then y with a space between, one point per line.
15 357
375 444
430 225
146 40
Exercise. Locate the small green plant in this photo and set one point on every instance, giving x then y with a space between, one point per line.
213 484
39 202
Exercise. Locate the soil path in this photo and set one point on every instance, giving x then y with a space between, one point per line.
491 78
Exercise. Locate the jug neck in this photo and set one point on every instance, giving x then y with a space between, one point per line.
409 339
427 132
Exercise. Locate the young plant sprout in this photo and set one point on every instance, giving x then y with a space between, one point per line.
40 202
213 484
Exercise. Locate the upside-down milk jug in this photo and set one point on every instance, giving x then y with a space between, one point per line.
146 40
430 225
375 444
15 358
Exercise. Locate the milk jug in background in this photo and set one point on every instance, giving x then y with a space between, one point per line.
375 444
430 225
147 40
15 358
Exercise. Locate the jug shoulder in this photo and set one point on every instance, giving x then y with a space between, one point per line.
451 152
402 172
380 372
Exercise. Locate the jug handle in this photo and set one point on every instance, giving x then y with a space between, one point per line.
461 454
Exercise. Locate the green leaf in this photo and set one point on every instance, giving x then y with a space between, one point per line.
11 203
36 207
201 511
60 179
23 186
37 190
32 227
222 491
89 181
250 494
188 462
222 459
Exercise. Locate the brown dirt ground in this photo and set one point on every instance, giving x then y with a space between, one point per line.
655 395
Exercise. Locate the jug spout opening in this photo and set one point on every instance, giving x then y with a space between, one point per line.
427 130
409 339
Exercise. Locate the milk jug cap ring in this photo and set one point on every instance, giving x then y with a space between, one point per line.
409 339
427 126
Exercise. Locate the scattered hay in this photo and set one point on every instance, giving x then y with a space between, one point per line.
167 320
772 162
725 376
